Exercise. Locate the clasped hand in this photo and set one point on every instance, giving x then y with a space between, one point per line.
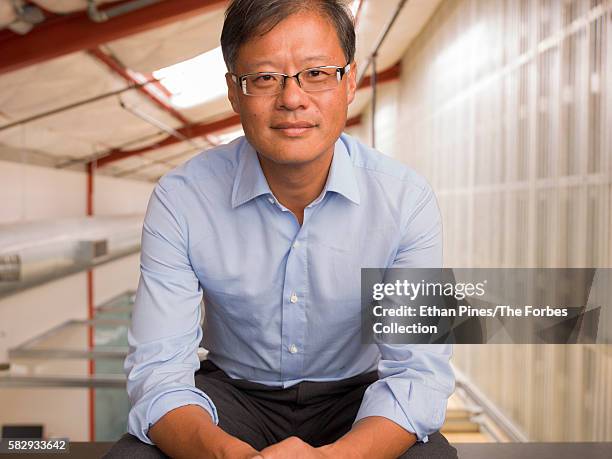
295 448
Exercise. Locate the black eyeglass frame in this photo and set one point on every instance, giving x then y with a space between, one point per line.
240 80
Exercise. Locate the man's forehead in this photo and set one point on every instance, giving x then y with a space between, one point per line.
304 35
315 59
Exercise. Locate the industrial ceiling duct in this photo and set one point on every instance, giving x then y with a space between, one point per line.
97 15
36 252
19 16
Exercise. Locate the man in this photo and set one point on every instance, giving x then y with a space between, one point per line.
272 230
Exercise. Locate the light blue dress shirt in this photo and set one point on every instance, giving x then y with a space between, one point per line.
282 301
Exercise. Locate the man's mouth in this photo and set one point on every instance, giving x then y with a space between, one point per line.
294 129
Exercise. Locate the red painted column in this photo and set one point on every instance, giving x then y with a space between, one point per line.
91 308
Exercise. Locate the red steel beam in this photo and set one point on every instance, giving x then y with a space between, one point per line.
392 73
189 132
354 121
129 76
195 130
76 32
204 129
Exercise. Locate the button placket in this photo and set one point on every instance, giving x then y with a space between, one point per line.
294 314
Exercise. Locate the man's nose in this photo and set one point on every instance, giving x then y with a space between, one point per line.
292 96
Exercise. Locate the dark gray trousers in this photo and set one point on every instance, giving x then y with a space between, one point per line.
317 412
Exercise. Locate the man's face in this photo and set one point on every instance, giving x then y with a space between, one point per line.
301 41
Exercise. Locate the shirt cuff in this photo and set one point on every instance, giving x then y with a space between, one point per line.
170 400
417 411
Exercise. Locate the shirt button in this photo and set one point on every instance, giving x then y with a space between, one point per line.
271 200
293 298
293 349
296 244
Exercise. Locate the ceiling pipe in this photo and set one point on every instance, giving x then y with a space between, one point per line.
195 130
381 40
158 124
93 157
372 62
152 93
155 162
102 16
358 12
116 67
200 129
80 103
23 16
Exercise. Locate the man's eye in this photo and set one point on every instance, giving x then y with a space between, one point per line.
263 80
317 75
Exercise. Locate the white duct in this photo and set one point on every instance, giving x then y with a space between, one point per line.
19 16
35 252
7 13
67 6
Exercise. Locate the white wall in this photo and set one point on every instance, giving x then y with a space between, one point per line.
30 192
386 120
34 192
499 110
115 196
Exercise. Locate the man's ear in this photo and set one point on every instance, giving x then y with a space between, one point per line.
351 83
232 92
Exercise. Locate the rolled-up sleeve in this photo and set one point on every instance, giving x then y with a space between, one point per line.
415 380
415 383
165 331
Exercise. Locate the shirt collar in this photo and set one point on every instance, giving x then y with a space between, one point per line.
250 180
341 178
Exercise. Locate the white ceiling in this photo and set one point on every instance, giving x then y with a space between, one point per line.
164 46
99 126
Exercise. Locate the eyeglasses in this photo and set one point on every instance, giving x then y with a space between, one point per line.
313 79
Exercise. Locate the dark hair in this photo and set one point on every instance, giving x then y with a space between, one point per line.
246 18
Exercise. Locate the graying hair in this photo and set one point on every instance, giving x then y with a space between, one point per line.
245 19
